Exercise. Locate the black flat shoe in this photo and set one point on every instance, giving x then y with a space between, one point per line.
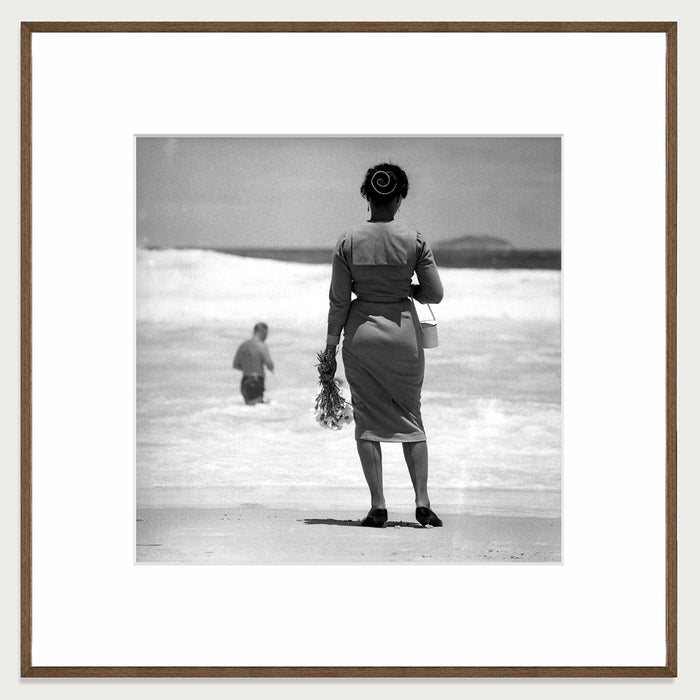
376 518
425 516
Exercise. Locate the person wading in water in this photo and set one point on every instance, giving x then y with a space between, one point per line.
251 358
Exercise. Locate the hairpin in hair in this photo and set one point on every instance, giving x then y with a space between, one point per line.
383 182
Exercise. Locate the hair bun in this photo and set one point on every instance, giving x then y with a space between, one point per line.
383 182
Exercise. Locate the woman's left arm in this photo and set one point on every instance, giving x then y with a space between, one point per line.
339 294
429 288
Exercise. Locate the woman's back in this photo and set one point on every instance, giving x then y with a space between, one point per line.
376 261
382 258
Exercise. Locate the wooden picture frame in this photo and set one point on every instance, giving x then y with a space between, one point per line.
29 669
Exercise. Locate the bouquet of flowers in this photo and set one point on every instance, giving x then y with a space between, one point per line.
331 410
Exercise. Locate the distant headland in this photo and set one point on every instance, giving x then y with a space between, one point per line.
483 242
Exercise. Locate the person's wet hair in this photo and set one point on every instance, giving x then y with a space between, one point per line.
384 182
260 327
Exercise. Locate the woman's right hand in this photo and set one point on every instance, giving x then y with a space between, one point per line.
328 369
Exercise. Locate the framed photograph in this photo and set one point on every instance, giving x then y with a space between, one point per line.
256 257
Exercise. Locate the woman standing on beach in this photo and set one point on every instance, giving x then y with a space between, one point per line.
382 345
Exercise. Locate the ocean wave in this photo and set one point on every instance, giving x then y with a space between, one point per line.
193 286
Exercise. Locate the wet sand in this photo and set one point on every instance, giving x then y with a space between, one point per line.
254 534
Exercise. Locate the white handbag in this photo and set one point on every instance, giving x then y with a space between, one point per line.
429 331
428 328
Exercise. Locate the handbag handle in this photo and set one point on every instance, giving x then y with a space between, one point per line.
428 305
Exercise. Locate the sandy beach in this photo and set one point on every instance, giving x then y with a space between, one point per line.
254 534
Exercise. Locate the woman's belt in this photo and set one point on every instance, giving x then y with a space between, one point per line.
383 300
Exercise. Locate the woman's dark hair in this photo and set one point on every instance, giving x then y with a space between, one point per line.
383 182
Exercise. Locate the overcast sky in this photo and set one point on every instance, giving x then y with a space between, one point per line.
289 192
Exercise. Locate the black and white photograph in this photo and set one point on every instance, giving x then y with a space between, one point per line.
348 349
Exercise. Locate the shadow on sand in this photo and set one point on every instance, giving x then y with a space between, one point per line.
355 523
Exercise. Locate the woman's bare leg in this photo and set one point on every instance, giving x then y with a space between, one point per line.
370 453
416 456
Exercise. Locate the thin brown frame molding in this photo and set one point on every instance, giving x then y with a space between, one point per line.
28 670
